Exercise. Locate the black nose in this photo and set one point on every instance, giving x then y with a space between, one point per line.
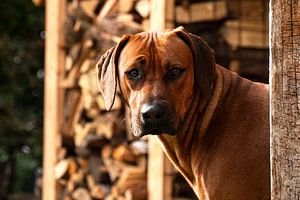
153 113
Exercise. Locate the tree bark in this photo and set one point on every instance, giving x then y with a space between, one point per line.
285 99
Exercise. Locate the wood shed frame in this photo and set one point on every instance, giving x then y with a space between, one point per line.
53 95
284 99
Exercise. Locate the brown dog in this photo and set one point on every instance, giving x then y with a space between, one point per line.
212 124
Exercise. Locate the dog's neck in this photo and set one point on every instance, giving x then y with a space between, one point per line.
178 148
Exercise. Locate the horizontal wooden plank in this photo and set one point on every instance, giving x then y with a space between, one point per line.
248 34
249 9
200 12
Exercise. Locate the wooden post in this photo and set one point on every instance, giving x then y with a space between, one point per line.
285 99
53 99
159 176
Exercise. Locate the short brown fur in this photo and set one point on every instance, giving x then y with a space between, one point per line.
221 144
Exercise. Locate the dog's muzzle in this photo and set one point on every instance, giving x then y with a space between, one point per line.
156 119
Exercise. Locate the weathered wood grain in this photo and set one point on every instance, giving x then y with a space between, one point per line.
285 99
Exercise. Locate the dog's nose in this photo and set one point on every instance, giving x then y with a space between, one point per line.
152 113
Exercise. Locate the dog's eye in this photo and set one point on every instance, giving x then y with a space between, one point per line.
175 73
133 74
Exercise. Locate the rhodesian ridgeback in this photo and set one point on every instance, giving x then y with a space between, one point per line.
212 124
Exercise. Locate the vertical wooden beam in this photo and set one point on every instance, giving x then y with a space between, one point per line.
168 167
53 98
159 168
158 15
285 99
155 170
155 154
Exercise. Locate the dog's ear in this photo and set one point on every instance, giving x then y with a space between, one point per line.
107 72
204 60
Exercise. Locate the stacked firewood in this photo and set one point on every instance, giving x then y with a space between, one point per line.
237 30
99 158
247 33
102 170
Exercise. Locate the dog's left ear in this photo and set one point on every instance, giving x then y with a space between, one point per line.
203 58
107 72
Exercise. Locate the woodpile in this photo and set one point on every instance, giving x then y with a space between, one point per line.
247 33
99 158
232 28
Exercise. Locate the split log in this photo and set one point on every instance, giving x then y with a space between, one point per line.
99 191
116 106
75 181
130 178
95 162
72 77
83 163
123 153
139 192
81 131
112 166
61 153
81 194
109 5
71 108
87 65
88 82
90 181
61 169
139 147
104 127
143 8
38 2
73 56
73 166
111 126
89 7
66 197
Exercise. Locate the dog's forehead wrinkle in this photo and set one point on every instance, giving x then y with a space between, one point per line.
147 38
136 61
157 49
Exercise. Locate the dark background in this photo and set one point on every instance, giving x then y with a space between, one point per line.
21 95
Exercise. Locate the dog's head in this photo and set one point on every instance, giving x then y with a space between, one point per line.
158 74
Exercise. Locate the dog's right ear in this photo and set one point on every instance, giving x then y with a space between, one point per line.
204 61
107 72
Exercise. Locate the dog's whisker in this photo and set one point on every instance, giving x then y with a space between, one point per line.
123 121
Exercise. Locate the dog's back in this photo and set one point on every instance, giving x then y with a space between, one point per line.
235 148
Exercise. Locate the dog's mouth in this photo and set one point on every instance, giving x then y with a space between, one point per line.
158 130
153 132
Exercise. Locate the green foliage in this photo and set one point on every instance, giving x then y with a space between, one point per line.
21 87
25 165
20 19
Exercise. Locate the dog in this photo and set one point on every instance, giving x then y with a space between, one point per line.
212 124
